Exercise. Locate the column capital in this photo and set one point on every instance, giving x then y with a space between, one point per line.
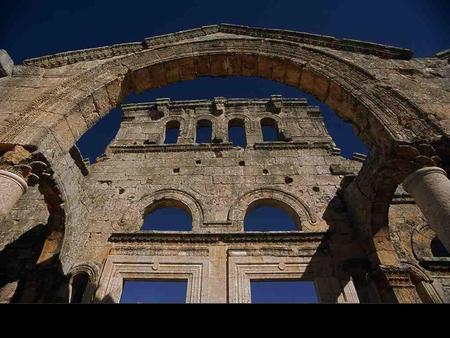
15 178
411 180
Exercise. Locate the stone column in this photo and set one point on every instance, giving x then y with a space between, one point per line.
430 188
12 187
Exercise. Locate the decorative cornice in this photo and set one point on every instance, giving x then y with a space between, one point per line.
156 148
350 45
293 145
99 53
436 263
396 276
228 102
91 54
247 237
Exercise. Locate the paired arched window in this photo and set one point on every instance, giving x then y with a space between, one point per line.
167 215
172 132
271 215
269 129
204 132
236 133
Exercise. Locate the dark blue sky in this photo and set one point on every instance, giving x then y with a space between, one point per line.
35 28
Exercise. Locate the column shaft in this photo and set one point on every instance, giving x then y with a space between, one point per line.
430 188
12 187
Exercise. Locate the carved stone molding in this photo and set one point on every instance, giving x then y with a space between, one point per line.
242 269
99 53
119 268
239 237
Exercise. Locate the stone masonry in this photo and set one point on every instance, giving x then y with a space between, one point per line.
372 229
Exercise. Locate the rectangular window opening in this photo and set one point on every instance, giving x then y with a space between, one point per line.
278 291
156 291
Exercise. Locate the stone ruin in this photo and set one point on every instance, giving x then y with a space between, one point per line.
372 229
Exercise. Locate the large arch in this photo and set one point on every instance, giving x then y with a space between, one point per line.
380 114
77 88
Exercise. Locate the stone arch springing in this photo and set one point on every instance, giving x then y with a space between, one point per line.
303 215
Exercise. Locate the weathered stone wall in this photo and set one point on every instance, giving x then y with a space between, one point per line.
398 105
218 182
215 178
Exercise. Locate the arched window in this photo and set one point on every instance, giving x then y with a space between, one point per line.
172 132
271 215
204 132
79 285
269 129
438 249
236 133
168 215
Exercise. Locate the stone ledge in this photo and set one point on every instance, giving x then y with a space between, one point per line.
313 111
436 263
152 148
70 57
189 237
350 45
293 145
402 199
105 52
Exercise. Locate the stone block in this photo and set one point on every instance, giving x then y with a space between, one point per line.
6 63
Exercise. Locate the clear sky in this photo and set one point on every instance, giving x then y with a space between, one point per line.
35 28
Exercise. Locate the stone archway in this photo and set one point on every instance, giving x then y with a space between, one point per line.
76 89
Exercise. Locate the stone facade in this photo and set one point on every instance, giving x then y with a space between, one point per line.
360 238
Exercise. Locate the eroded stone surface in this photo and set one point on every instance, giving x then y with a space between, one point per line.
372 232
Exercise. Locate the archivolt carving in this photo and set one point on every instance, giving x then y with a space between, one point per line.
91 269
133 218
306 216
